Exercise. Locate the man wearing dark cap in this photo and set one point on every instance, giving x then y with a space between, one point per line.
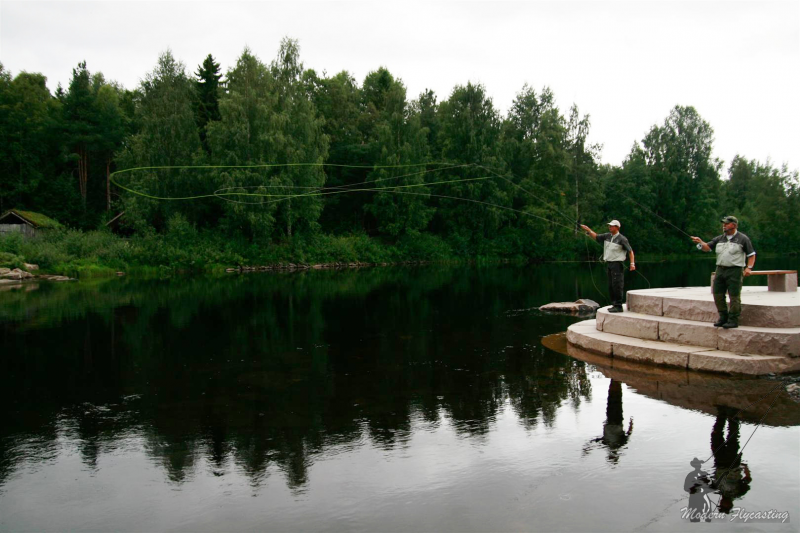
735 260
615 246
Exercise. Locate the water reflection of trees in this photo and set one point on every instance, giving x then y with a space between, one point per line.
272 372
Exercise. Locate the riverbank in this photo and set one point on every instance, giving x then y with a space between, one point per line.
102 254
98 254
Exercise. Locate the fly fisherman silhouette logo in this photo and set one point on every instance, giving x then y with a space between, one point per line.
698 485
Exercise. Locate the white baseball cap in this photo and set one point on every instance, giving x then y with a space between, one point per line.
613 223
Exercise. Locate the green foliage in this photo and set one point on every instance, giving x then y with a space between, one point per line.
29 139
167 136
683 172
424 247
207 92
397 139
267 118
549 163
82 124
296 137
334 171
9 260
12 243
338 100
765 200
470 132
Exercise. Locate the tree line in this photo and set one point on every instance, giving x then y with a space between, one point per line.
365 159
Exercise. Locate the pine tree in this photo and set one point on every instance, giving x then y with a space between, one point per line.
80 115
207 88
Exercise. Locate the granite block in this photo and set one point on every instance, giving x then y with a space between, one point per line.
731 363
594 342
631 326
646 304
654 352
763 341
698 310
769 316
694 333
782 282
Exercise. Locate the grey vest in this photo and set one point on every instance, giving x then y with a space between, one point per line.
730 254
613 251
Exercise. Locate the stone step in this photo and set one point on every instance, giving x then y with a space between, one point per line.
586 336
760 307
782 342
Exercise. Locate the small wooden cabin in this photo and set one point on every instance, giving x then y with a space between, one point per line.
26 222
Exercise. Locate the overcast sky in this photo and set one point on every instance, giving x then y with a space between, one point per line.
626 64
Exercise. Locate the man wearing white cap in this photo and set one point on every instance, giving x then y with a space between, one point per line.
615 245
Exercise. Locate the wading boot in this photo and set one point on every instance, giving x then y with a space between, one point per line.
730 325
723 319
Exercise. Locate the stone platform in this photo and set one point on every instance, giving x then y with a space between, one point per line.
674 327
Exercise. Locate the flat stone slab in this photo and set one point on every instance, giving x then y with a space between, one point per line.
646 303
733 363
691 357
582 306
630 325
783 342
687 332
587 325
595 341
685 309
760 307
656 352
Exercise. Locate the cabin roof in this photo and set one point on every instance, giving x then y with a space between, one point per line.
37 220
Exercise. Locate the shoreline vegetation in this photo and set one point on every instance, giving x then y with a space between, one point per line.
99 254
102 254
272 163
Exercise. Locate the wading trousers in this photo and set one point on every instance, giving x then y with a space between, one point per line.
728 279
616 281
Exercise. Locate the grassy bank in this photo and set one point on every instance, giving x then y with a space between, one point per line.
100 253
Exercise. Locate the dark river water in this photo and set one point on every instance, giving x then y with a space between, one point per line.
384 399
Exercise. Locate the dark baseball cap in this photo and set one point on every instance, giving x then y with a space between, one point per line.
730 219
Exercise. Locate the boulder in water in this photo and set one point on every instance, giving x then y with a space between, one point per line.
16 274
578 307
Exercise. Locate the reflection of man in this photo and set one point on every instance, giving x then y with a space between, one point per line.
698 487
614 435
731 476
735 260
615 245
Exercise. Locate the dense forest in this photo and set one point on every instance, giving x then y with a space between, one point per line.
292 165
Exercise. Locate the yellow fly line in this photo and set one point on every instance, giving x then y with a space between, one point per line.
227 192
319 190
